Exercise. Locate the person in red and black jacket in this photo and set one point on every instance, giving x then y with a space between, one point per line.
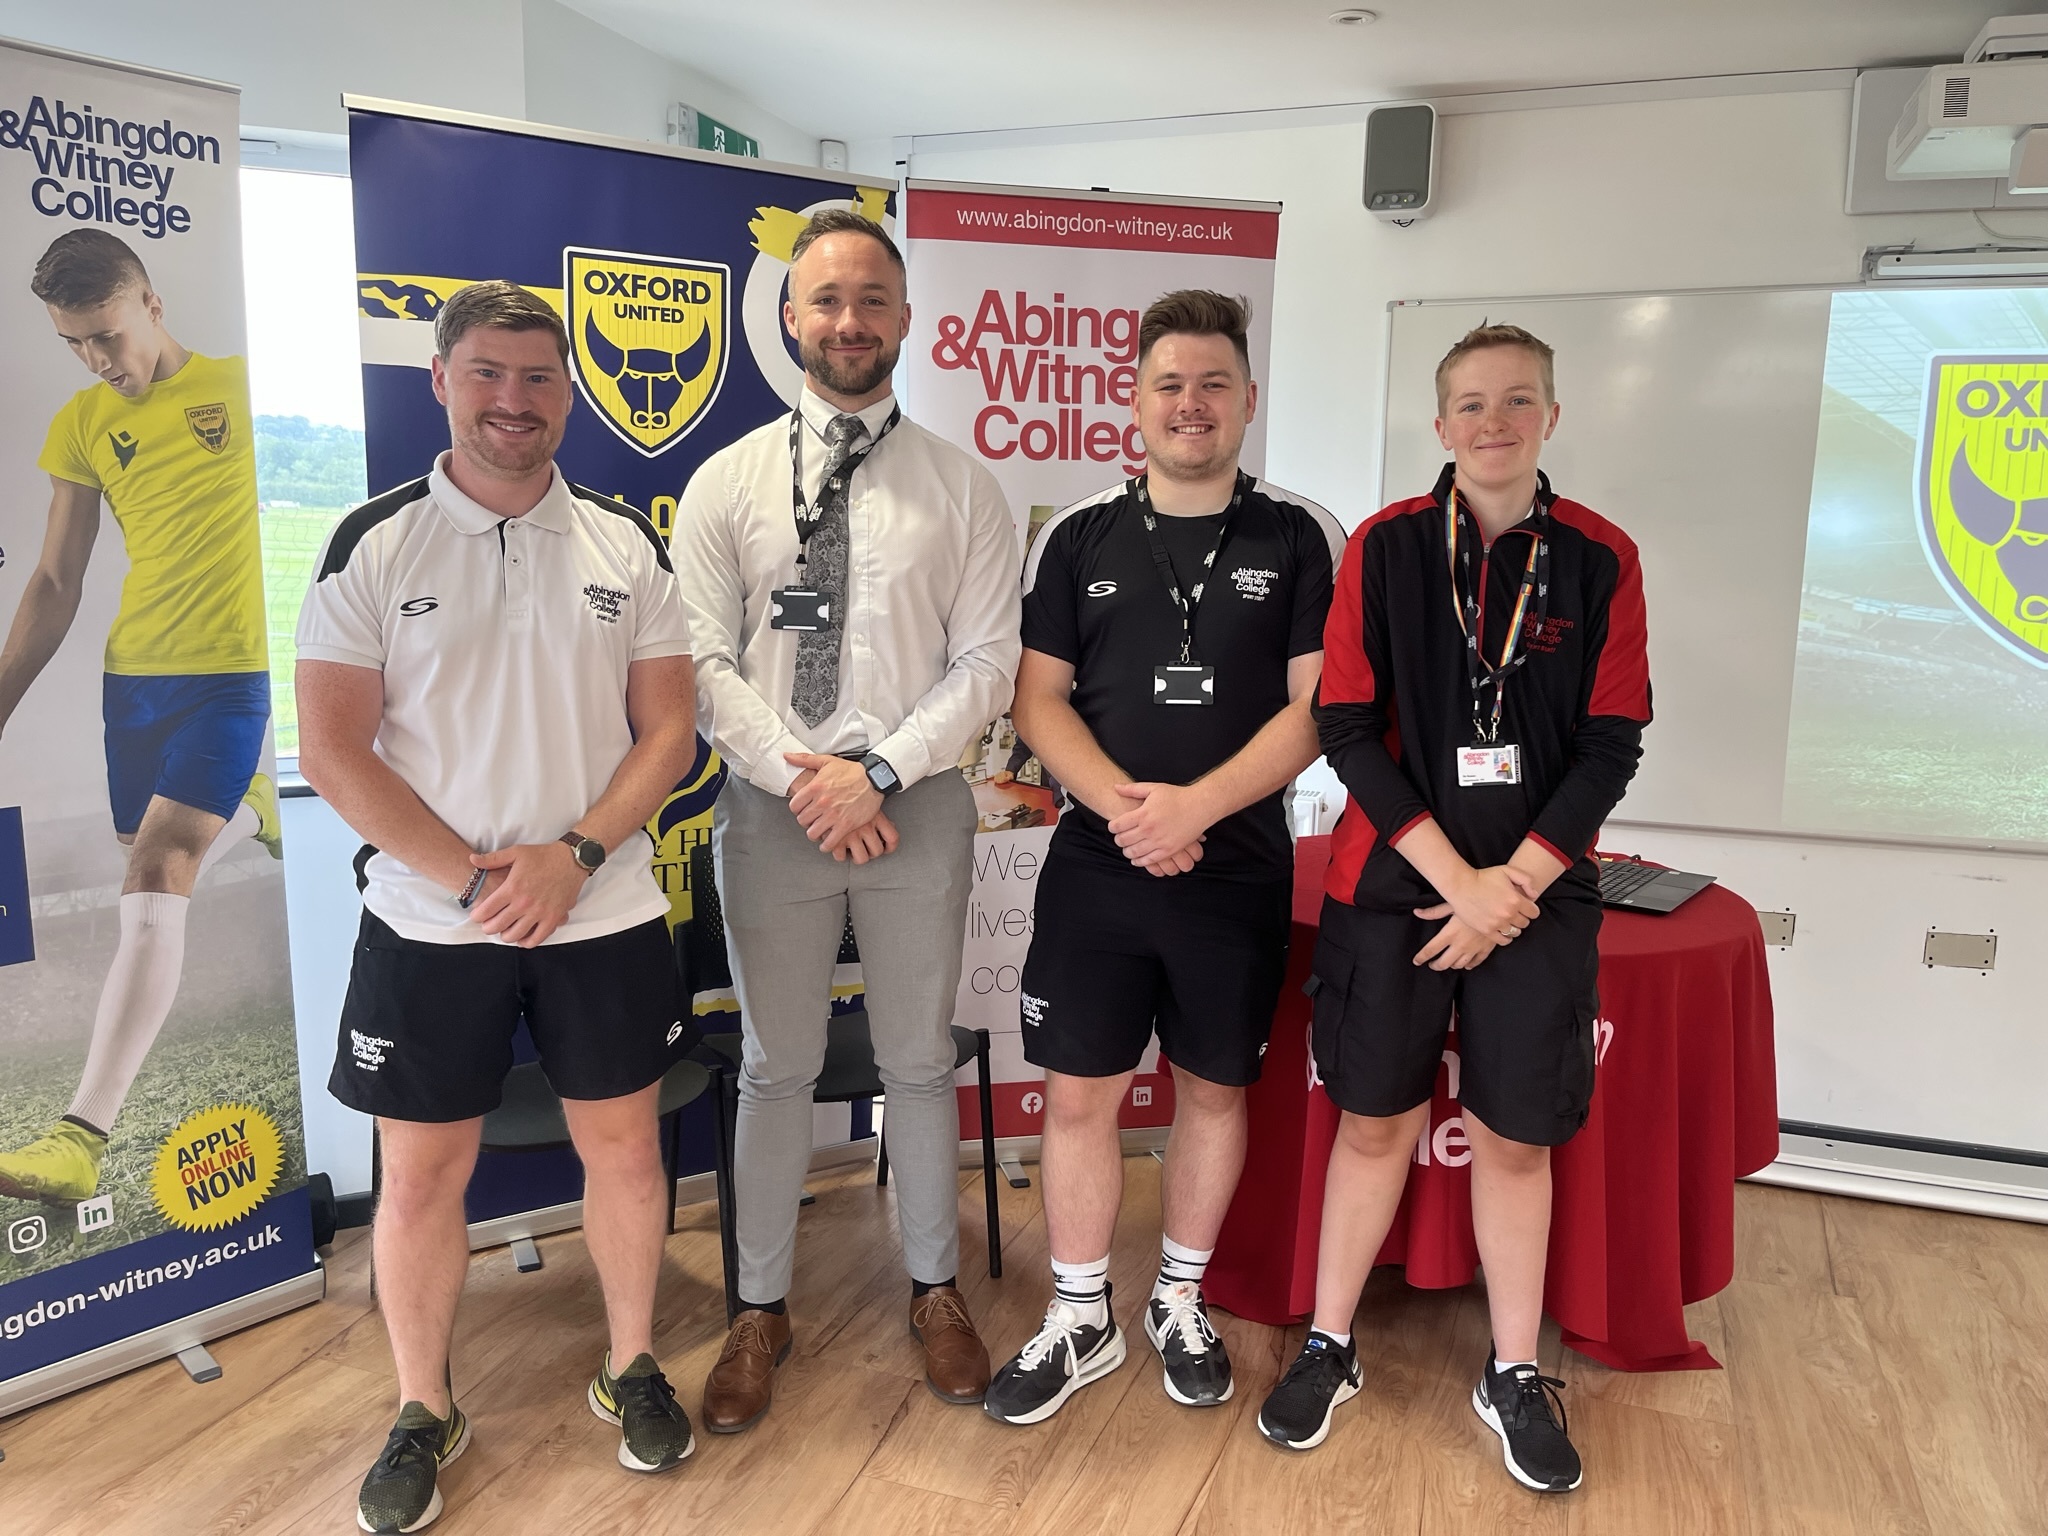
1484 692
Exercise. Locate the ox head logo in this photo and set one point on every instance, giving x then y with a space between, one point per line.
1983 492
649 339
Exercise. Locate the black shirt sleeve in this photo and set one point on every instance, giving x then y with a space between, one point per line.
1351 707
1313 581
1051 622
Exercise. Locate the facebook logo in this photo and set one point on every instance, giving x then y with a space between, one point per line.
17 938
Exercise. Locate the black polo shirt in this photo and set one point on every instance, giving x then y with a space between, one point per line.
1094 597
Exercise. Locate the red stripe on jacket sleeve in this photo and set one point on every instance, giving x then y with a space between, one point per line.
1347 672
1621 677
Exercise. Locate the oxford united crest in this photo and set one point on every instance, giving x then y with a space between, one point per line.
649 335
1983 476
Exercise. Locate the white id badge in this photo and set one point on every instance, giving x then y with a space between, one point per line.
1183 685
799 608
1489 765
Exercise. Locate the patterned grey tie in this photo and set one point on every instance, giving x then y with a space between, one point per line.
815 694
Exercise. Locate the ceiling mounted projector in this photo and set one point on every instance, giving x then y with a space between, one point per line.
1970 120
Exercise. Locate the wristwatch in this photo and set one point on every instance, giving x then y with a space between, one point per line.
588 850
881 775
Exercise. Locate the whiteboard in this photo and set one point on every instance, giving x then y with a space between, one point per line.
1690 420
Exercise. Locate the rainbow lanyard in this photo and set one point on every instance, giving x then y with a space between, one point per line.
1465 602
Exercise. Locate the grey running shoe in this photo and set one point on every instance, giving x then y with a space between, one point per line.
654 1430
400 1493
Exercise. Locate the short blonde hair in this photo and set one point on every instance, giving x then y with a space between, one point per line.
1483 336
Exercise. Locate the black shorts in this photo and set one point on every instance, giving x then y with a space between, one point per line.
1115 955
1525 1019
426 1029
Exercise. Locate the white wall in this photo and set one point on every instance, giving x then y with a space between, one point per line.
1658 195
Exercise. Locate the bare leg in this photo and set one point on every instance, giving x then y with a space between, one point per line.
1361 1192
1511 1219
1204 1156
624 1208
421 1247
1081 1160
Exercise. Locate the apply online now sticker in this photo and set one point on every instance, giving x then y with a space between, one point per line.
217 1166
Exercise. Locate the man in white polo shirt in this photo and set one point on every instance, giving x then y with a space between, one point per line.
851 583
495 692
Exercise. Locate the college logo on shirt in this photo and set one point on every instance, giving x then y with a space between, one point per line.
1254 584
209 423
605 602
649 339
1983 519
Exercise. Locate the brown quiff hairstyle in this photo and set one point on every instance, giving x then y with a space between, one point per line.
1485 335
499 306
843 221
1197 312
84 268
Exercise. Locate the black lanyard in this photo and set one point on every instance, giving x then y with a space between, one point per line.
808 517
1183 601
1465 603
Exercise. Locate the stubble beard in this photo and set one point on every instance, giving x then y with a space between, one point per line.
502 456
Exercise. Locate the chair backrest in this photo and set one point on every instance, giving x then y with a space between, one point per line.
701 941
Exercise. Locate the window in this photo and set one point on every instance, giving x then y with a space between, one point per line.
305 386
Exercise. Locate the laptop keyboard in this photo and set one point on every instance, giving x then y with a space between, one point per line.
1620 878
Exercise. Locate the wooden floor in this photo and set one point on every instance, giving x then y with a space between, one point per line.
1887 1372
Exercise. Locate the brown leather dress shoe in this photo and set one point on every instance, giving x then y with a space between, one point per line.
742 1384
955 1360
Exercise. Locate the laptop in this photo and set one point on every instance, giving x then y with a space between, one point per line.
1639 887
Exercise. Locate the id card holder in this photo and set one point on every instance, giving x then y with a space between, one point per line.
799 608
1489 765
1183 684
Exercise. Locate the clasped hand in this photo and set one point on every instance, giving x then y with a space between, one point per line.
528 892
1488 908
1164 828
838 808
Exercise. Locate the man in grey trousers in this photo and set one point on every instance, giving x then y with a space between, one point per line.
851 587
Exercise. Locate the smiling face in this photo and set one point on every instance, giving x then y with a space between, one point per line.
508 398
1495 417
121 341
847 311
1193 404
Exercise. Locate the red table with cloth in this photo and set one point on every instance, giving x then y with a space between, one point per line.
1643 1215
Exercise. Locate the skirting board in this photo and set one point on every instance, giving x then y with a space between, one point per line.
161 1343
1972 1186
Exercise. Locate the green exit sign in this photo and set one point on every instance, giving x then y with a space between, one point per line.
699 130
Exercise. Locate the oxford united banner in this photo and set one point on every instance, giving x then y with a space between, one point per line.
152 1162
1983 492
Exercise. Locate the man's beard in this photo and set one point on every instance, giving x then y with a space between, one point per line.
510 456
844 379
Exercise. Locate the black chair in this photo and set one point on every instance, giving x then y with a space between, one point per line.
849 1073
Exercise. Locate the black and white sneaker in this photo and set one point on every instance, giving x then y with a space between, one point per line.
1516 1405
1197 1364
1062 1357
401 1491
1298 1409
654 1432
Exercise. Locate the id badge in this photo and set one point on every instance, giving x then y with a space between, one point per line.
1183 685
1489 765
800 608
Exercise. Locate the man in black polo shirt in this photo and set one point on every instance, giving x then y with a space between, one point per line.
1172 641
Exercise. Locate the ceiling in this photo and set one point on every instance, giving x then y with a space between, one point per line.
883 68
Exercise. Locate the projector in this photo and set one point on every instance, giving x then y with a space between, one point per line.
1975 120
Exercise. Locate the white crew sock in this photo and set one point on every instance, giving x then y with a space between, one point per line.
1085 1288
244 823
1179 1265
141 984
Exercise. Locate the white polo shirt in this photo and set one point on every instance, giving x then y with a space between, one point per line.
504 644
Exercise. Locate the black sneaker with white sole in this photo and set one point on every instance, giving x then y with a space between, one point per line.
1062 1357
1297 1411
1197 1364
654 1432
401 1492
1516 1404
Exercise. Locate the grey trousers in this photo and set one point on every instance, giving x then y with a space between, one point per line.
786 905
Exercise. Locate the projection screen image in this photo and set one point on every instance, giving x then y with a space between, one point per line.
1920 695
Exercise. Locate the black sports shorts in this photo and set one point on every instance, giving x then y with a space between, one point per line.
426 1029
1525 1019
1116 955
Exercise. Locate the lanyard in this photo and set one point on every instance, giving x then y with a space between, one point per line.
1465 603
1186 602
807 516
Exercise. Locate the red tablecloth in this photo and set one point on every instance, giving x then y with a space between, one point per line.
1643 1217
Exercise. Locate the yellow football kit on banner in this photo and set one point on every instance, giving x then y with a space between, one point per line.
178 467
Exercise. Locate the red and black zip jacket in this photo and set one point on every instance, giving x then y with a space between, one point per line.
1395 701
